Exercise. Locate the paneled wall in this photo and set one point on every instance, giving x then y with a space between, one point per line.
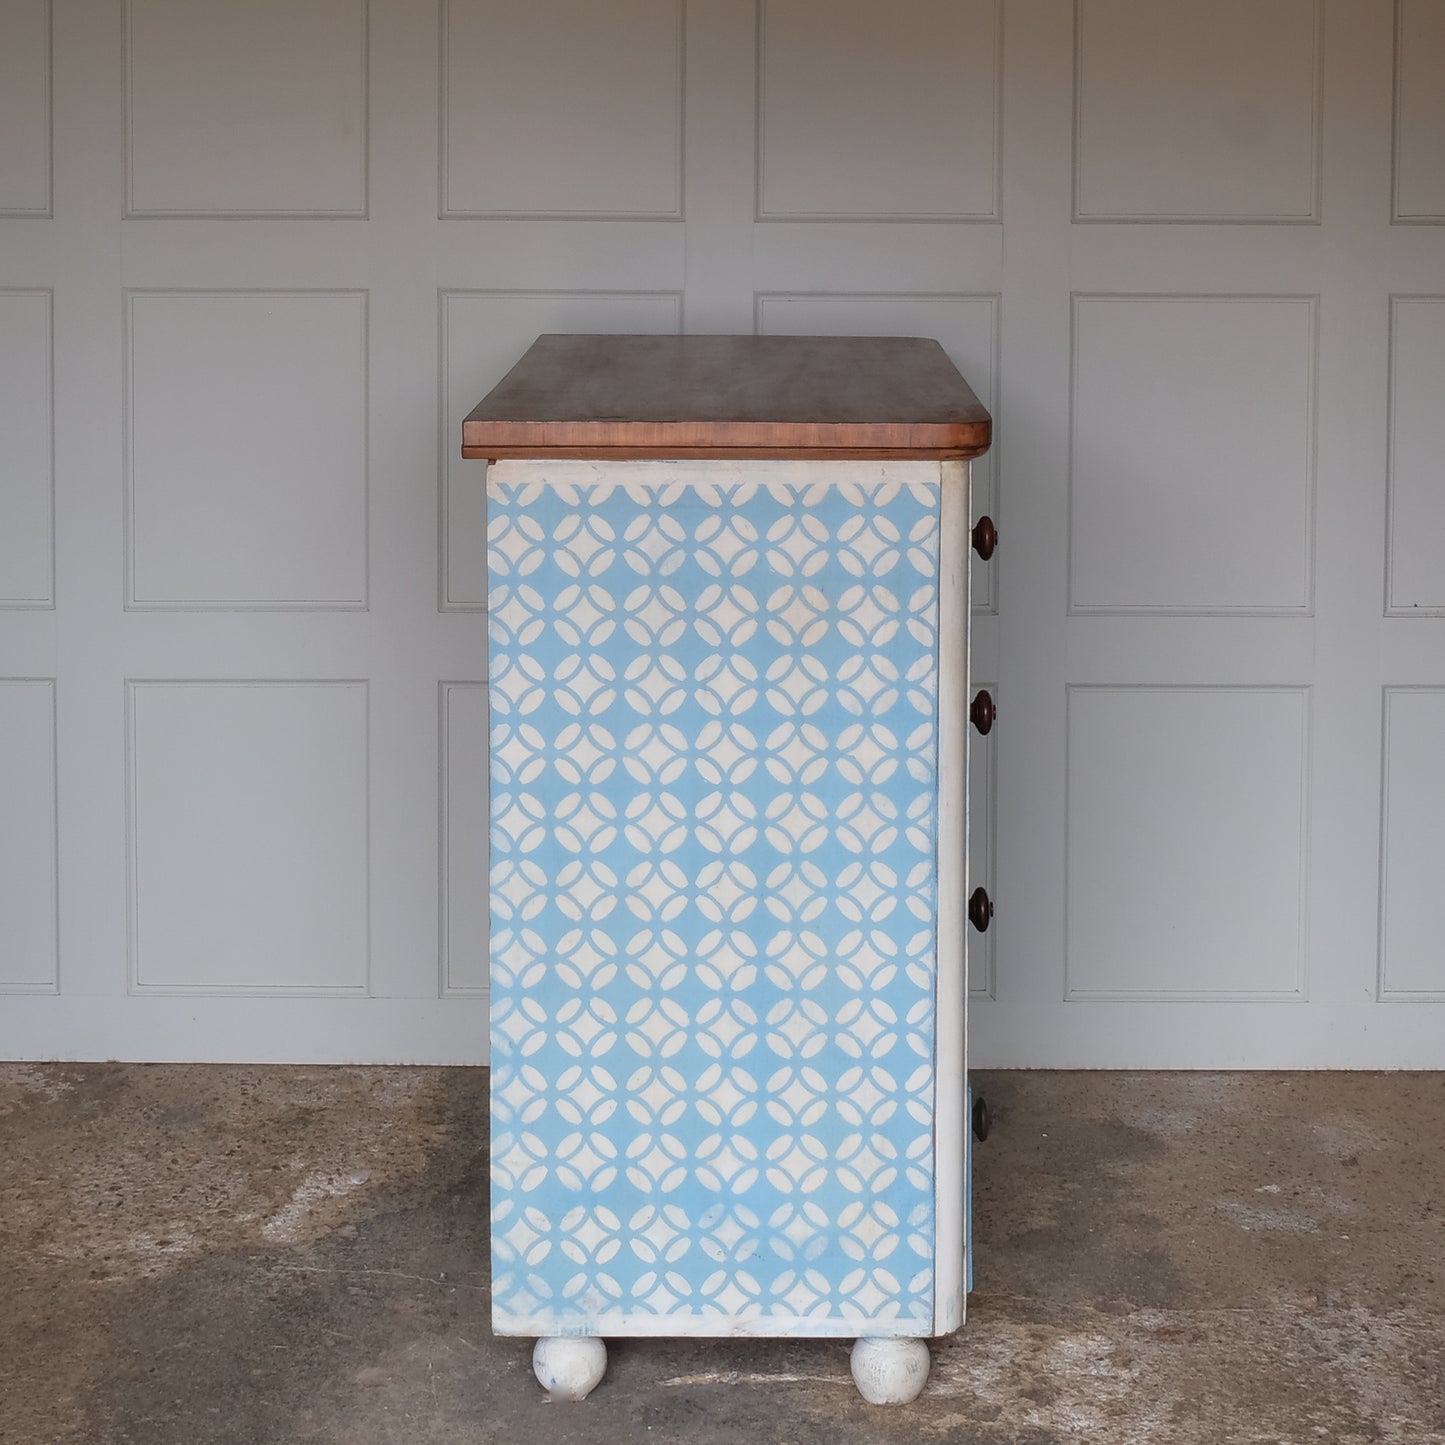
257 260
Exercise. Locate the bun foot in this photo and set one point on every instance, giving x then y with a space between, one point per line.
568 1367
890 1371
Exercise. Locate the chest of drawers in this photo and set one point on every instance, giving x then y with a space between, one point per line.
729 715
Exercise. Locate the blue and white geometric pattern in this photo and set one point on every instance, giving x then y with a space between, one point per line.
713 898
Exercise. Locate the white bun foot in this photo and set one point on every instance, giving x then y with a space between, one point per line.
568 1367
890 1372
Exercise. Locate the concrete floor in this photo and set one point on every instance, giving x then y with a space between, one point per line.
193 1255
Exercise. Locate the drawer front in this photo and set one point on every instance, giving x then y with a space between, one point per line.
714 896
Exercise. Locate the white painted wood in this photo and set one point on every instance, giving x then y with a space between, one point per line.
569 1368
589 127
232 1027
718 1325
836 142
1337 652
248 838
465 815
28 944
1416 519
25 152
967 326
1187 815
1412 903
720 165
248 449
258 109
26 463
484 335
942 1141
1197 112
890 1371
1192 459
1419 189
950 1122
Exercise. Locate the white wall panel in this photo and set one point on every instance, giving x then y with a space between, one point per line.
253 109
25 138
875 112
248 835
1187 842
1196 112
256 475
247 424
464 798
28 912
966 327
483 335
562 108
1191 463
26 462
1412 901
1419 191
1417 447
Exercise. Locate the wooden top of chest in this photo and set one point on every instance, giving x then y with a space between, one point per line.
821 397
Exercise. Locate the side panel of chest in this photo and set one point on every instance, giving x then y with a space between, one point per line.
725 891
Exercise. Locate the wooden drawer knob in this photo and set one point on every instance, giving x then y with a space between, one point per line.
982 713
982 1123
980 909
985 537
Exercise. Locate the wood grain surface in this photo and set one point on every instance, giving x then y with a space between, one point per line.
880 397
